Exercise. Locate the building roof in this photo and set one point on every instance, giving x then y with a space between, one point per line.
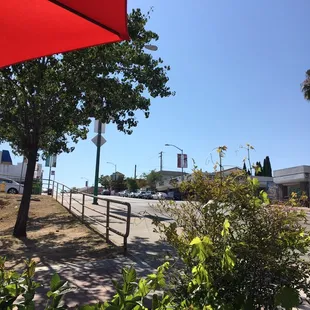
171 173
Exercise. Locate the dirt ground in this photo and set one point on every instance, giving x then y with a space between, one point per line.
53 234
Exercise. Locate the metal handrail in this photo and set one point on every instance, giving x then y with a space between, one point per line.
81 214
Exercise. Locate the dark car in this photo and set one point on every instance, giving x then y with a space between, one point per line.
106 192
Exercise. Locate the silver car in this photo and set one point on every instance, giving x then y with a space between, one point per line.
10 186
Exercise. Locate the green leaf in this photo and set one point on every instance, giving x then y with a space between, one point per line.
287 297
55 282
196 240
226 226
11 288
89 307
255 182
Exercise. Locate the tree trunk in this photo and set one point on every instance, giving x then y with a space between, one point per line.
22 217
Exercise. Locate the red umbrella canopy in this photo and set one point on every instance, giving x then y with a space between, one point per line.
34 28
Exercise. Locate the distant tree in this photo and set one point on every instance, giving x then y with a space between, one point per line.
264 168
118 183
141 183
152 178
132 184
74 189
268 169
244 167
305 86
258 169
105 181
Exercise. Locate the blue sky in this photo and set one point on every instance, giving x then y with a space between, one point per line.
236 69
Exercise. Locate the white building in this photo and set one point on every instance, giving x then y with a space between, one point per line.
16 172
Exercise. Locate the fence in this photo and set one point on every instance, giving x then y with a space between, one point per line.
109 216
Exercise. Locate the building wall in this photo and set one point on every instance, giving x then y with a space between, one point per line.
18 172
294 179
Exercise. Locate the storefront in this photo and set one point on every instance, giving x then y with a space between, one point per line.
295 179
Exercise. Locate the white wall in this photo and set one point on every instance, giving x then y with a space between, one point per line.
15 171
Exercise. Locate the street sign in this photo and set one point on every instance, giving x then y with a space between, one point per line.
97 127
102 140
53 172
182 160
51 161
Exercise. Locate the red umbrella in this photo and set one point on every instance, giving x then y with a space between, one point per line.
35 28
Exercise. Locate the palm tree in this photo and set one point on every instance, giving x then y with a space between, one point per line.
305 86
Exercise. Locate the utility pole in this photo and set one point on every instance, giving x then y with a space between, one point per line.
135 175
95 200
161 161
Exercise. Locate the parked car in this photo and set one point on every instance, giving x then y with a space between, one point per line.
147 195
140 194
124 193
132 195
159 196
11 186
105 192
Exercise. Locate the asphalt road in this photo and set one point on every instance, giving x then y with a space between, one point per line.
141 207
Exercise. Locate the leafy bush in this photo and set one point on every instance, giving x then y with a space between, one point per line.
18 290
265 243
200 290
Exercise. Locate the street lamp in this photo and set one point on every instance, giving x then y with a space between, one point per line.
108 162
182 157
87 180
151 47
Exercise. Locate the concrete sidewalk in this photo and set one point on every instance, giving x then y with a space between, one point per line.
93 280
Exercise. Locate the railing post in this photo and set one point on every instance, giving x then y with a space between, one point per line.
62 195
53 188
108 221
70 200
127 226
83 207
57 192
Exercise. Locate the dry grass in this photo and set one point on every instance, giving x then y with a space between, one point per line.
53 234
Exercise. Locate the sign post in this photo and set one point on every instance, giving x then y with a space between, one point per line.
50 162
98 141
182 162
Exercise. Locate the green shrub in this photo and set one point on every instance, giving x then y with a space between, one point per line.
200 291
268 243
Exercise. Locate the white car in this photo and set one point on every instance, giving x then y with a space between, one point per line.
159 196
10 186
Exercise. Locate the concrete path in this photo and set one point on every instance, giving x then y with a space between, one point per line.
93 278
144 245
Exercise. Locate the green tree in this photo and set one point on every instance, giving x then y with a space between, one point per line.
244 167
118 182
258 169
141 182
46 104
305 86
268 167
105 181
267 171
132 184
152 178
